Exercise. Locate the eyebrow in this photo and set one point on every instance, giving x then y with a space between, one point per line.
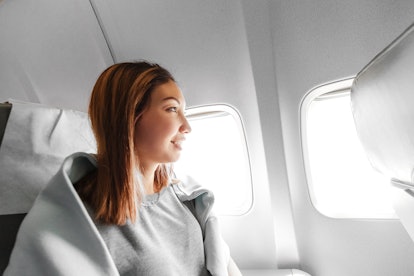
171 98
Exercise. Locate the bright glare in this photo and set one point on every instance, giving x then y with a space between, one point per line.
342 184
215 155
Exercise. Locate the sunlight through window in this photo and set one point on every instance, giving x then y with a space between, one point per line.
341 181
215 155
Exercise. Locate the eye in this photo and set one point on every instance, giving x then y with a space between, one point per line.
172 109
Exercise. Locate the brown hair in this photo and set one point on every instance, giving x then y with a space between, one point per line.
120 96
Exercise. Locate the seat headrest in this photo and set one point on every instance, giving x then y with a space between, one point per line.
36 140
382 99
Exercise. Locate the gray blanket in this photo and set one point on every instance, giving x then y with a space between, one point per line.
58 237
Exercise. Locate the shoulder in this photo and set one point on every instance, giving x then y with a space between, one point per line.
188 189
203 199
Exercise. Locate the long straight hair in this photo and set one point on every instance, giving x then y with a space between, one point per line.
120 96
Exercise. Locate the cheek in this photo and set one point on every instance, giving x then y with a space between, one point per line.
144 138
163 128
149 137
163 133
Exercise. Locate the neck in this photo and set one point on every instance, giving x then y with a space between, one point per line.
148 183
148 173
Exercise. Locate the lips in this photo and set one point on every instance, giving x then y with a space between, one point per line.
178 142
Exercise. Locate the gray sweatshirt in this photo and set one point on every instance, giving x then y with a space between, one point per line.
58 237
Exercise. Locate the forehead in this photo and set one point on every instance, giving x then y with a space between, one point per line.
167 91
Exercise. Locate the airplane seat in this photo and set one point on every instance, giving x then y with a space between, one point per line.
9 223
34 140
382 98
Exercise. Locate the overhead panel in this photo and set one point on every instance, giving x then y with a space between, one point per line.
51 51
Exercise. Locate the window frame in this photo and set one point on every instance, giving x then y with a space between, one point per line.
214 110
329 89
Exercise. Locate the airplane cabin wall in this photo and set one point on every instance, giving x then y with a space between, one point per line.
317 42
51 52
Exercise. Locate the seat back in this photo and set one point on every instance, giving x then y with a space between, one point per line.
5 109
9 223
382 99
35 139
9 226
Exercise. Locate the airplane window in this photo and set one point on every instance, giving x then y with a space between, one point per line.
341 181
215 155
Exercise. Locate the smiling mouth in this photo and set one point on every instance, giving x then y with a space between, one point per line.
177 144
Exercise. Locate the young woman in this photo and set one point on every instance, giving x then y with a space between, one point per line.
121 212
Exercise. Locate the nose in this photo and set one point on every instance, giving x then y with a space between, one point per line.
185 125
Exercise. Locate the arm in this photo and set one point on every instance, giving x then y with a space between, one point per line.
232 269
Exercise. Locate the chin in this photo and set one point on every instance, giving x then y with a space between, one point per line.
175 159
171 159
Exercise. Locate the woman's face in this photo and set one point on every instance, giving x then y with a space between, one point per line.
162 127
